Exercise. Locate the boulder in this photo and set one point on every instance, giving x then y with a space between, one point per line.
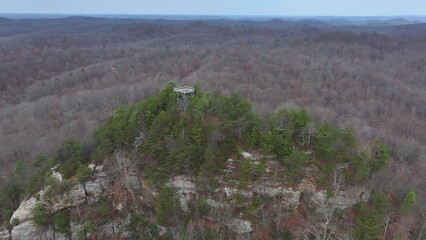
57 176
247 155
99 168
95 188
240 226
289 196
25 230
23 213
120 207
75 196
326 203
92 167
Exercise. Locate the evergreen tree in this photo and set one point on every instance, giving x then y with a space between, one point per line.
409 201
165 205
325 140
380 156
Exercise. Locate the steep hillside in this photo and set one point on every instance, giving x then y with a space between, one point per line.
215 171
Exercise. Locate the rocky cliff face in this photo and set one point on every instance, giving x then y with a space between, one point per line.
78 196
114 189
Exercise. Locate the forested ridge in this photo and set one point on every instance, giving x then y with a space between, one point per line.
162 142
61 78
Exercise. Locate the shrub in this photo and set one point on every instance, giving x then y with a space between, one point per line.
103 208
280 235
409 201
61 221
69 156
83 174
380 156
295 164
165 205
15 221
41 216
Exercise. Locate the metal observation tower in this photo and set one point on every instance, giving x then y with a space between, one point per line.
183 93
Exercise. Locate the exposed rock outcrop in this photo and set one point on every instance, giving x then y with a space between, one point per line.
240 226
117 190
288 195
4 235
25 230
326 202
75 196
23 213
185 189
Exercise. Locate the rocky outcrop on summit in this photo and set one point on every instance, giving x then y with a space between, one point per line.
77 195
326 202
122 193
23 213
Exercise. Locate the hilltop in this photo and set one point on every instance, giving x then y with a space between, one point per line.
216 171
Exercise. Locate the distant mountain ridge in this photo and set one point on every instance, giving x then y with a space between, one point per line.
335 20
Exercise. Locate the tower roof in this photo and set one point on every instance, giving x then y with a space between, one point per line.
184 89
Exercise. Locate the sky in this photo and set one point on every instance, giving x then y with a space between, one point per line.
220 7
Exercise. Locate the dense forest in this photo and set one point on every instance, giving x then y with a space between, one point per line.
62 78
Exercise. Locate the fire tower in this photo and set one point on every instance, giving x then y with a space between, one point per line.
183 93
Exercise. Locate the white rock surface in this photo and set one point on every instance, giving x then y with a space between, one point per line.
23 213
4 235
99 168
120 207
185 188
340 200
229 191
215 204
92 167
240 226
57 176
247 155
75 196
25 230
269 191
183 183
288 195
94 188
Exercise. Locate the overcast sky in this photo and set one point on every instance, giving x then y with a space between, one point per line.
220 7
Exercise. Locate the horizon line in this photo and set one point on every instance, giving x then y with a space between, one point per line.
207 15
